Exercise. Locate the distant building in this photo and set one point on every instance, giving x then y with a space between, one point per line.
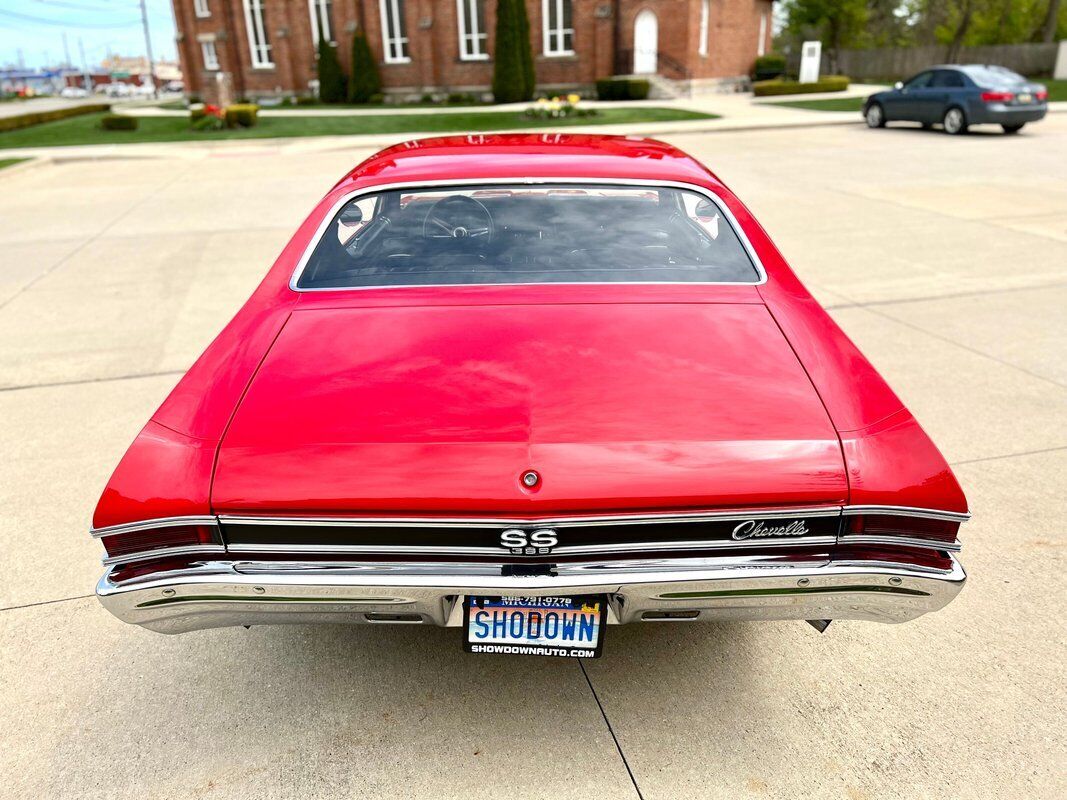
135 69
267 47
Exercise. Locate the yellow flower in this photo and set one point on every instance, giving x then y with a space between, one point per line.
573 98
542 100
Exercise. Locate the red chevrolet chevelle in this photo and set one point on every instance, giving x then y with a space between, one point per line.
529 386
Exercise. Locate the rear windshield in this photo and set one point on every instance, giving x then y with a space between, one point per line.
528 234
989 76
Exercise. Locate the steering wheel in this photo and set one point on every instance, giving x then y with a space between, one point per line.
459 217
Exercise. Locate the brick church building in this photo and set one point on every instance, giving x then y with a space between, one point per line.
256 48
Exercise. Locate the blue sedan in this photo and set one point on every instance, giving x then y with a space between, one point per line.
958 96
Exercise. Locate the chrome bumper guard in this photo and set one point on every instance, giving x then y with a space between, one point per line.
213 594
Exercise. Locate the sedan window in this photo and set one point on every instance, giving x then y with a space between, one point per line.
948 79
499 234
920 81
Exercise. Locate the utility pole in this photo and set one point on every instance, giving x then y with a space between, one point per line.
87 81
148 48
66 51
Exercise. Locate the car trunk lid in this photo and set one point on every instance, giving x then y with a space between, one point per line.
441 409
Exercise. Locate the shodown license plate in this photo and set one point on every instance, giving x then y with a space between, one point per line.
535 626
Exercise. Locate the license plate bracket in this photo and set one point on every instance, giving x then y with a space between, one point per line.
568 627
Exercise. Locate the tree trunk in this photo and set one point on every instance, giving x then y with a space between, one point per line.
1047 31
961 32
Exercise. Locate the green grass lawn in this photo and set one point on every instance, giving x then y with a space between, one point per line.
10 162
1057 90
832 104
85 129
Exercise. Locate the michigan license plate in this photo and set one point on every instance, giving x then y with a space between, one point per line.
535 626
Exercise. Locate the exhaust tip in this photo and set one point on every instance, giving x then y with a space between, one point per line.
819 624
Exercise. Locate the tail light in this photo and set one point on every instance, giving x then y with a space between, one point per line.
997 97
1041 94
896 526
148 540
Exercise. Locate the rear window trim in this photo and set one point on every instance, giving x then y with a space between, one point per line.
328 219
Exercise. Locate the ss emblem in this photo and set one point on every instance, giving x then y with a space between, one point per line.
521 543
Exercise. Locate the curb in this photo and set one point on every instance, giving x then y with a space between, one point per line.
31 162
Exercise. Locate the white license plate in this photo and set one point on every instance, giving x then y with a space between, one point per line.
535 626
1024 97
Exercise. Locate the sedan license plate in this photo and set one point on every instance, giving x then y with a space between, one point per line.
535 626
1024 97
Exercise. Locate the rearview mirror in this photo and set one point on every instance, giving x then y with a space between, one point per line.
351 215
898 85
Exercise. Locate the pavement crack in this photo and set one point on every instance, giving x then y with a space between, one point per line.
1008 455
950 296
84 381
611 730
47 602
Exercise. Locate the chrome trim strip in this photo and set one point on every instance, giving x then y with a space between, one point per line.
163 552
556 522
901 541
160 522
622 547
386 187
908 511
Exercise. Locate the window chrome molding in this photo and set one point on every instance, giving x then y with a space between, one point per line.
719 203
145 524
163 552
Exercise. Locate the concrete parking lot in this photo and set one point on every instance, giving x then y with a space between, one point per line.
945 258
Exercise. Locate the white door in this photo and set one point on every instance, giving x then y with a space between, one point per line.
646 42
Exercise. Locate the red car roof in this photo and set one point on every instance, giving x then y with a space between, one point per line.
531 155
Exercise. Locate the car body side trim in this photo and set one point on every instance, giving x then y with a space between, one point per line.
907 511
164 552
145 524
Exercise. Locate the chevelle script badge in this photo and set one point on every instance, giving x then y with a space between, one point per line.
751 529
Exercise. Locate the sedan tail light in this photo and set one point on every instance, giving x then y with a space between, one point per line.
896 526
148 540
1041 94
997 97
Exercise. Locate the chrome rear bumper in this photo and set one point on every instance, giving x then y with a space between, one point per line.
215 594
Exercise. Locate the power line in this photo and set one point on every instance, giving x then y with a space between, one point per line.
66 23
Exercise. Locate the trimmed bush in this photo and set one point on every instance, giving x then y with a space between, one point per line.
770 66
827 83
38 117
118 122
208 122
332 85
364 82
622 89
241 115
513 71
305 100
197 113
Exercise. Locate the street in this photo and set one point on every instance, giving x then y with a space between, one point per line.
944 258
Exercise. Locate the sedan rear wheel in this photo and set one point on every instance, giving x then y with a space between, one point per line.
875 116
954 121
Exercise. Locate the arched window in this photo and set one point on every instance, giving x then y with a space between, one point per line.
705 19
557 27
761 48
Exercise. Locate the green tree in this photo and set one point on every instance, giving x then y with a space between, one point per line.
331 79
513 70
837 23
364 82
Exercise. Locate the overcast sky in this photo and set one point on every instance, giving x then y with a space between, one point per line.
37 27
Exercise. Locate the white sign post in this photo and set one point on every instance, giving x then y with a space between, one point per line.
810 56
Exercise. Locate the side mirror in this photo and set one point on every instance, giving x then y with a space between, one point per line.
351 215
898 85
